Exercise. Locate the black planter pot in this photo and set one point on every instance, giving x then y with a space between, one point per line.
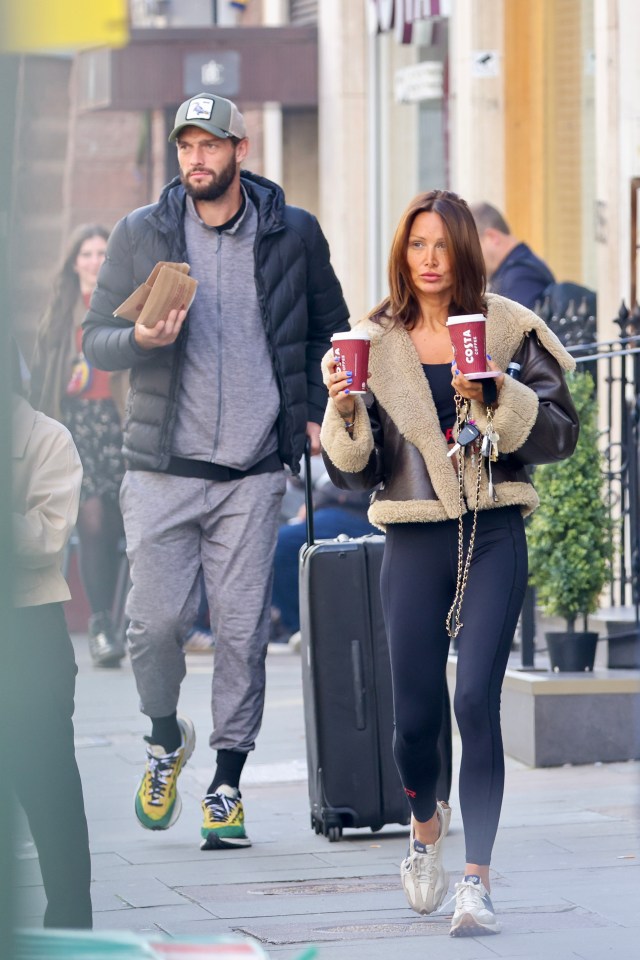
572 652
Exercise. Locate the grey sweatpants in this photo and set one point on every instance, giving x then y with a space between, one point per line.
174 526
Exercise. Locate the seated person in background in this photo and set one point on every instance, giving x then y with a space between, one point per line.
39 666
513 269
335 512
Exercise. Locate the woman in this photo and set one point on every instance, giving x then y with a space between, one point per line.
89 403
455 562
38 661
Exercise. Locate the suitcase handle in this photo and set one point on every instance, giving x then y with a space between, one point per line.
308 492
358 684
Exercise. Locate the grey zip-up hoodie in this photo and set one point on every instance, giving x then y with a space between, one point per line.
228 401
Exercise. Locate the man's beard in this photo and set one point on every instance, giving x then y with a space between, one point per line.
216 188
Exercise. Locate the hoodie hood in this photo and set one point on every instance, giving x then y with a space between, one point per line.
167 214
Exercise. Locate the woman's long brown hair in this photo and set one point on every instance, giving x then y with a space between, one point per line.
58 316
464 250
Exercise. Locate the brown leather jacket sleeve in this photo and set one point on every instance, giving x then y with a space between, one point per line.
555 432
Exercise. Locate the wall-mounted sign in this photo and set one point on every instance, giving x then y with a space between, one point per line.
420 81
485 63
213 73
400 15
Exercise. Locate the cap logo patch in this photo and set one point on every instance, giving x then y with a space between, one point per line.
200 109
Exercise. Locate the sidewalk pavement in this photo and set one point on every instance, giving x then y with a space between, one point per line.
566 879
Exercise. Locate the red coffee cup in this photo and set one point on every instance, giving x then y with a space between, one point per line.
468 339
351 352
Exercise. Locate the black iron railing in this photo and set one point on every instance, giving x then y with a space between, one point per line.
615 366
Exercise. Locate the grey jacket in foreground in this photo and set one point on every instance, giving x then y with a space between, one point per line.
398 443
300 299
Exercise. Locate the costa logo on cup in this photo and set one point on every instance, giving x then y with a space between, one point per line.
468 339
469 345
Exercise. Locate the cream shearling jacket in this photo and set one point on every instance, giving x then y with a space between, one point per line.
398 445
47 475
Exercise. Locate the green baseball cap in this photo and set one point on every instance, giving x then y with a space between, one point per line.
214 114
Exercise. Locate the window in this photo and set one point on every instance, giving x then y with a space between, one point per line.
172 13
303 11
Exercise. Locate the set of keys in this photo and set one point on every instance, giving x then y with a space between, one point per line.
469 432
489 446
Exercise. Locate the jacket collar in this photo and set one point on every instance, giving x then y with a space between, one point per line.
508 323
168 213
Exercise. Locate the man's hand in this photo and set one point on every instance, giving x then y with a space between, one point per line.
164 333
313 432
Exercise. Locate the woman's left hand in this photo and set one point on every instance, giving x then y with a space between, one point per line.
472 389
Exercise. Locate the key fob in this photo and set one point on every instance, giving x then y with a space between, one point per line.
468 433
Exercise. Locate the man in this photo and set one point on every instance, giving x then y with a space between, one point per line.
219 401
513 269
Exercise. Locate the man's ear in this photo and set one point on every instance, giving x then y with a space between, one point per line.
242 150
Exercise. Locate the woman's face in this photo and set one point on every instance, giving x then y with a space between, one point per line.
429 257
88 262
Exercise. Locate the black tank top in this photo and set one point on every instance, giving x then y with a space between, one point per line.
439 378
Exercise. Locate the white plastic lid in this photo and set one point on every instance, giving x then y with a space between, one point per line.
469 318
351 335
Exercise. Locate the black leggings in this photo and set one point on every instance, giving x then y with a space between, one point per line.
418 584
99 529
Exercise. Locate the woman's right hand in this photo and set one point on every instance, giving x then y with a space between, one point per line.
338 385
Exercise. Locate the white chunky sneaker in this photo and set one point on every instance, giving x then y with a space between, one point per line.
424 879
474 915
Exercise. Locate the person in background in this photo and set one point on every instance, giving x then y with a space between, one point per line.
218 404
90 403
455 557
38 659
198 638
513 269
335 512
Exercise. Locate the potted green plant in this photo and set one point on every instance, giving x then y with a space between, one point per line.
570 537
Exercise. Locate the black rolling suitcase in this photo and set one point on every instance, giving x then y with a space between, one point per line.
346 682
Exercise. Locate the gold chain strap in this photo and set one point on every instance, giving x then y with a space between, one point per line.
454 623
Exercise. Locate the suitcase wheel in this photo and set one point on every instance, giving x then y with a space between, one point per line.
315 824
376 826
333 832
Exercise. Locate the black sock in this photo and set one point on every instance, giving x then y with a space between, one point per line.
228 769
166 733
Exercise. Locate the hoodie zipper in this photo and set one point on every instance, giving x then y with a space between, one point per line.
218 427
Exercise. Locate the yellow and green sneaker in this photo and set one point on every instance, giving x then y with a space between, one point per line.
158 802
223 823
